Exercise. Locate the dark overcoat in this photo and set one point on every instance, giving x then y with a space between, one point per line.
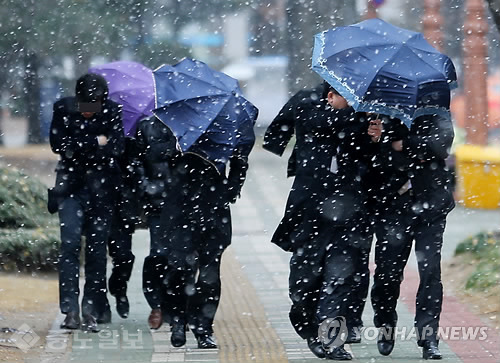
282 128
186 188
83 162
427 145
329 168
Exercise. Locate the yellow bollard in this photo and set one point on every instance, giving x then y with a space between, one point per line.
478 176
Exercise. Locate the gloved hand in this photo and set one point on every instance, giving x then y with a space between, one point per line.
394 129
232 193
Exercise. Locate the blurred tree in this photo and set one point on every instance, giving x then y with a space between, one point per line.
304 20
33 31
268 27
494 6
37 35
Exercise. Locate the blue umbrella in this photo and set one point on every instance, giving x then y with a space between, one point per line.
205 110
381 68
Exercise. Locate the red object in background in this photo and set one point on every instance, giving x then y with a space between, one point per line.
460 113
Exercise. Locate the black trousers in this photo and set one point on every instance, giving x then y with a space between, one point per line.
395 233
77 218
192 280
155 265
120 250
329 278
194 287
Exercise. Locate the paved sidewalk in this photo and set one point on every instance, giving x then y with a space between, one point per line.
252 321
263 200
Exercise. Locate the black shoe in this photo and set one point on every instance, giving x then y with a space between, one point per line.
431 350
72 321
353 336
89 324
122 306
339 353
316 347
178 338
104 318
206 341
385 342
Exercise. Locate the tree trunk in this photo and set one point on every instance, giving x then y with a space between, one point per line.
32 93
1 124
305 19
3 80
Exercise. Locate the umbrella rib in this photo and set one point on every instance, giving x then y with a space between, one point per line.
426 62
195 98
203 81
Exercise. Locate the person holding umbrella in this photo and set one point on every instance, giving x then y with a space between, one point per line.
157 151
281 130
388 70
123 225
213 124
131 85
323 217
87 133
424 202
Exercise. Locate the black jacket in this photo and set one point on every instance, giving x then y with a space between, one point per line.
157 152
165 171
282 128
83 163
427 146
387 169
127 206
186 189
325 139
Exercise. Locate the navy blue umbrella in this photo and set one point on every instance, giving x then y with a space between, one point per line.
381 68
205 110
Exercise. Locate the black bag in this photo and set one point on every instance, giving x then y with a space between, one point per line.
53 201
66 183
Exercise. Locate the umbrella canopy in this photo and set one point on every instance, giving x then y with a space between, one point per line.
381 68
205 109
130 84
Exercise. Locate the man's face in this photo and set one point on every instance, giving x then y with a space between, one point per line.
88 114
88 109
337 101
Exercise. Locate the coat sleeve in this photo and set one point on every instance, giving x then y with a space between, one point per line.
163 146
315 117
140 155
115 146
238 167
238 163
389 159
430 138
62 140
281 129
155 145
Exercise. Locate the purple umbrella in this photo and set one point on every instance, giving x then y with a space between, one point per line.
130 84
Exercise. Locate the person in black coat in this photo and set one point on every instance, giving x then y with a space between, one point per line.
123 225
417 211
198 229
281 130
157 151
387 187
86 131
182 273
323 225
